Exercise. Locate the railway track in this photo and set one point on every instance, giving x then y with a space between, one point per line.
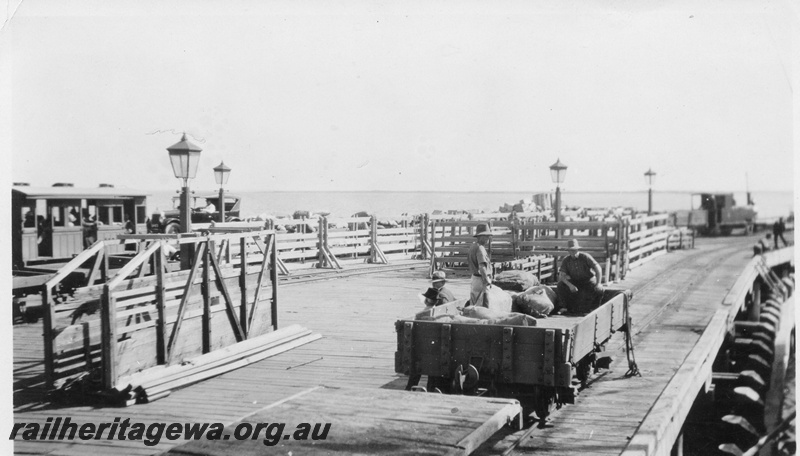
686 273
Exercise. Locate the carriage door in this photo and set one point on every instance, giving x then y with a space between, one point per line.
44 229
66 232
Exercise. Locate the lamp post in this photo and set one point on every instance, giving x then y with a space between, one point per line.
558 171
184 157
221 175
650 178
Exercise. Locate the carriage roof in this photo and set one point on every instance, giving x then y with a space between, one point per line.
76 192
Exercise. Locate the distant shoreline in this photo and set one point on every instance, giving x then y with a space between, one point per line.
530 192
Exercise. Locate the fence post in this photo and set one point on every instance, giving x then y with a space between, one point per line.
243 286
539 270
161 323
206 318
626 229
421 232
515 238
433 247
321 242
108 340
373 240
273 276
48 318
618 250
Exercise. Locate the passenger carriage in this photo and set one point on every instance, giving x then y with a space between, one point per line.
50 225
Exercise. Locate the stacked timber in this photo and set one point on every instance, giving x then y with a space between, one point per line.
157 382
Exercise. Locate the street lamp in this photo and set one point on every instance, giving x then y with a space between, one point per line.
558 171
221 175
184 157
650 178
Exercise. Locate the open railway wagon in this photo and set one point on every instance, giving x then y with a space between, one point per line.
542 366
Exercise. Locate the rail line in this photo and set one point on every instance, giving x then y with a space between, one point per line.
698 263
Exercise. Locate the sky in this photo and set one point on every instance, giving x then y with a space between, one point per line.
378 95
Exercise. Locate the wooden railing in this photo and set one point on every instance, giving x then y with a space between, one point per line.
520 238
646 238
681 238
152 316
618 245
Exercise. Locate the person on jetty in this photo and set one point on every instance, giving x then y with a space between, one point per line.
763 245
578 288
778 228
438 294
480 264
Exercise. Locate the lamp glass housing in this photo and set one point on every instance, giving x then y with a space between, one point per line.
558 171
221 174
650 177
184 157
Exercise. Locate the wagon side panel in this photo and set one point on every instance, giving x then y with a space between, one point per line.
584 337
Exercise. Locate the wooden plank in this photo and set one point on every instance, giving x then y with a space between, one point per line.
663 423
365 420
237 328
173 338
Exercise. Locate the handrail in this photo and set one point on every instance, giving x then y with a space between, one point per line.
78 260
132 264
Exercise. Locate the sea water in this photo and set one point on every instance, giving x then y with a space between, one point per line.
392 204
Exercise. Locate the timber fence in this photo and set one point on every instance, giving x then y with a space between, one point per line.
618 244
147 314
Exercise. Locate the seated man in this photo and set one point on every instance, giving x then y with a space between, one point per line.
438 294
578 288
209 208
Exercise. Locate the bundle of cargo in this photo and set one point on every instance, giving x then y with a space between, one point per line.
537 301
515 280
479 315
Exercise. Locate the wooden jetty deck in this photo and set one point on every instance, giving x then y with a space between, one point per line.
675 297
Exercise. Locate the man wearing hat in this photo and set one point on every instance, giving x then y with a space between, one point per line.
578 288
438 294
480 264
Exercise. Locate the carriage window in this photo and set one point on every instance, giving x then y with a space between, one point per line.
72 215
103 213
28 217
141 214
90 213
56 216
117 214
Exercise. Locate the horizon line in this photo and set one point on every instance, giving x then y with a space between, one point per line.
483 191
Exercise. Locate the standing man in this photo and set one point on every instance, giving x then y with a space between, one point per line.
578 288
480 265
777 232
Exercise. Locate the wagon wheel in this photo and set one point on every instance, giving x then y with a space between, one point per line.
544 401
583 371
